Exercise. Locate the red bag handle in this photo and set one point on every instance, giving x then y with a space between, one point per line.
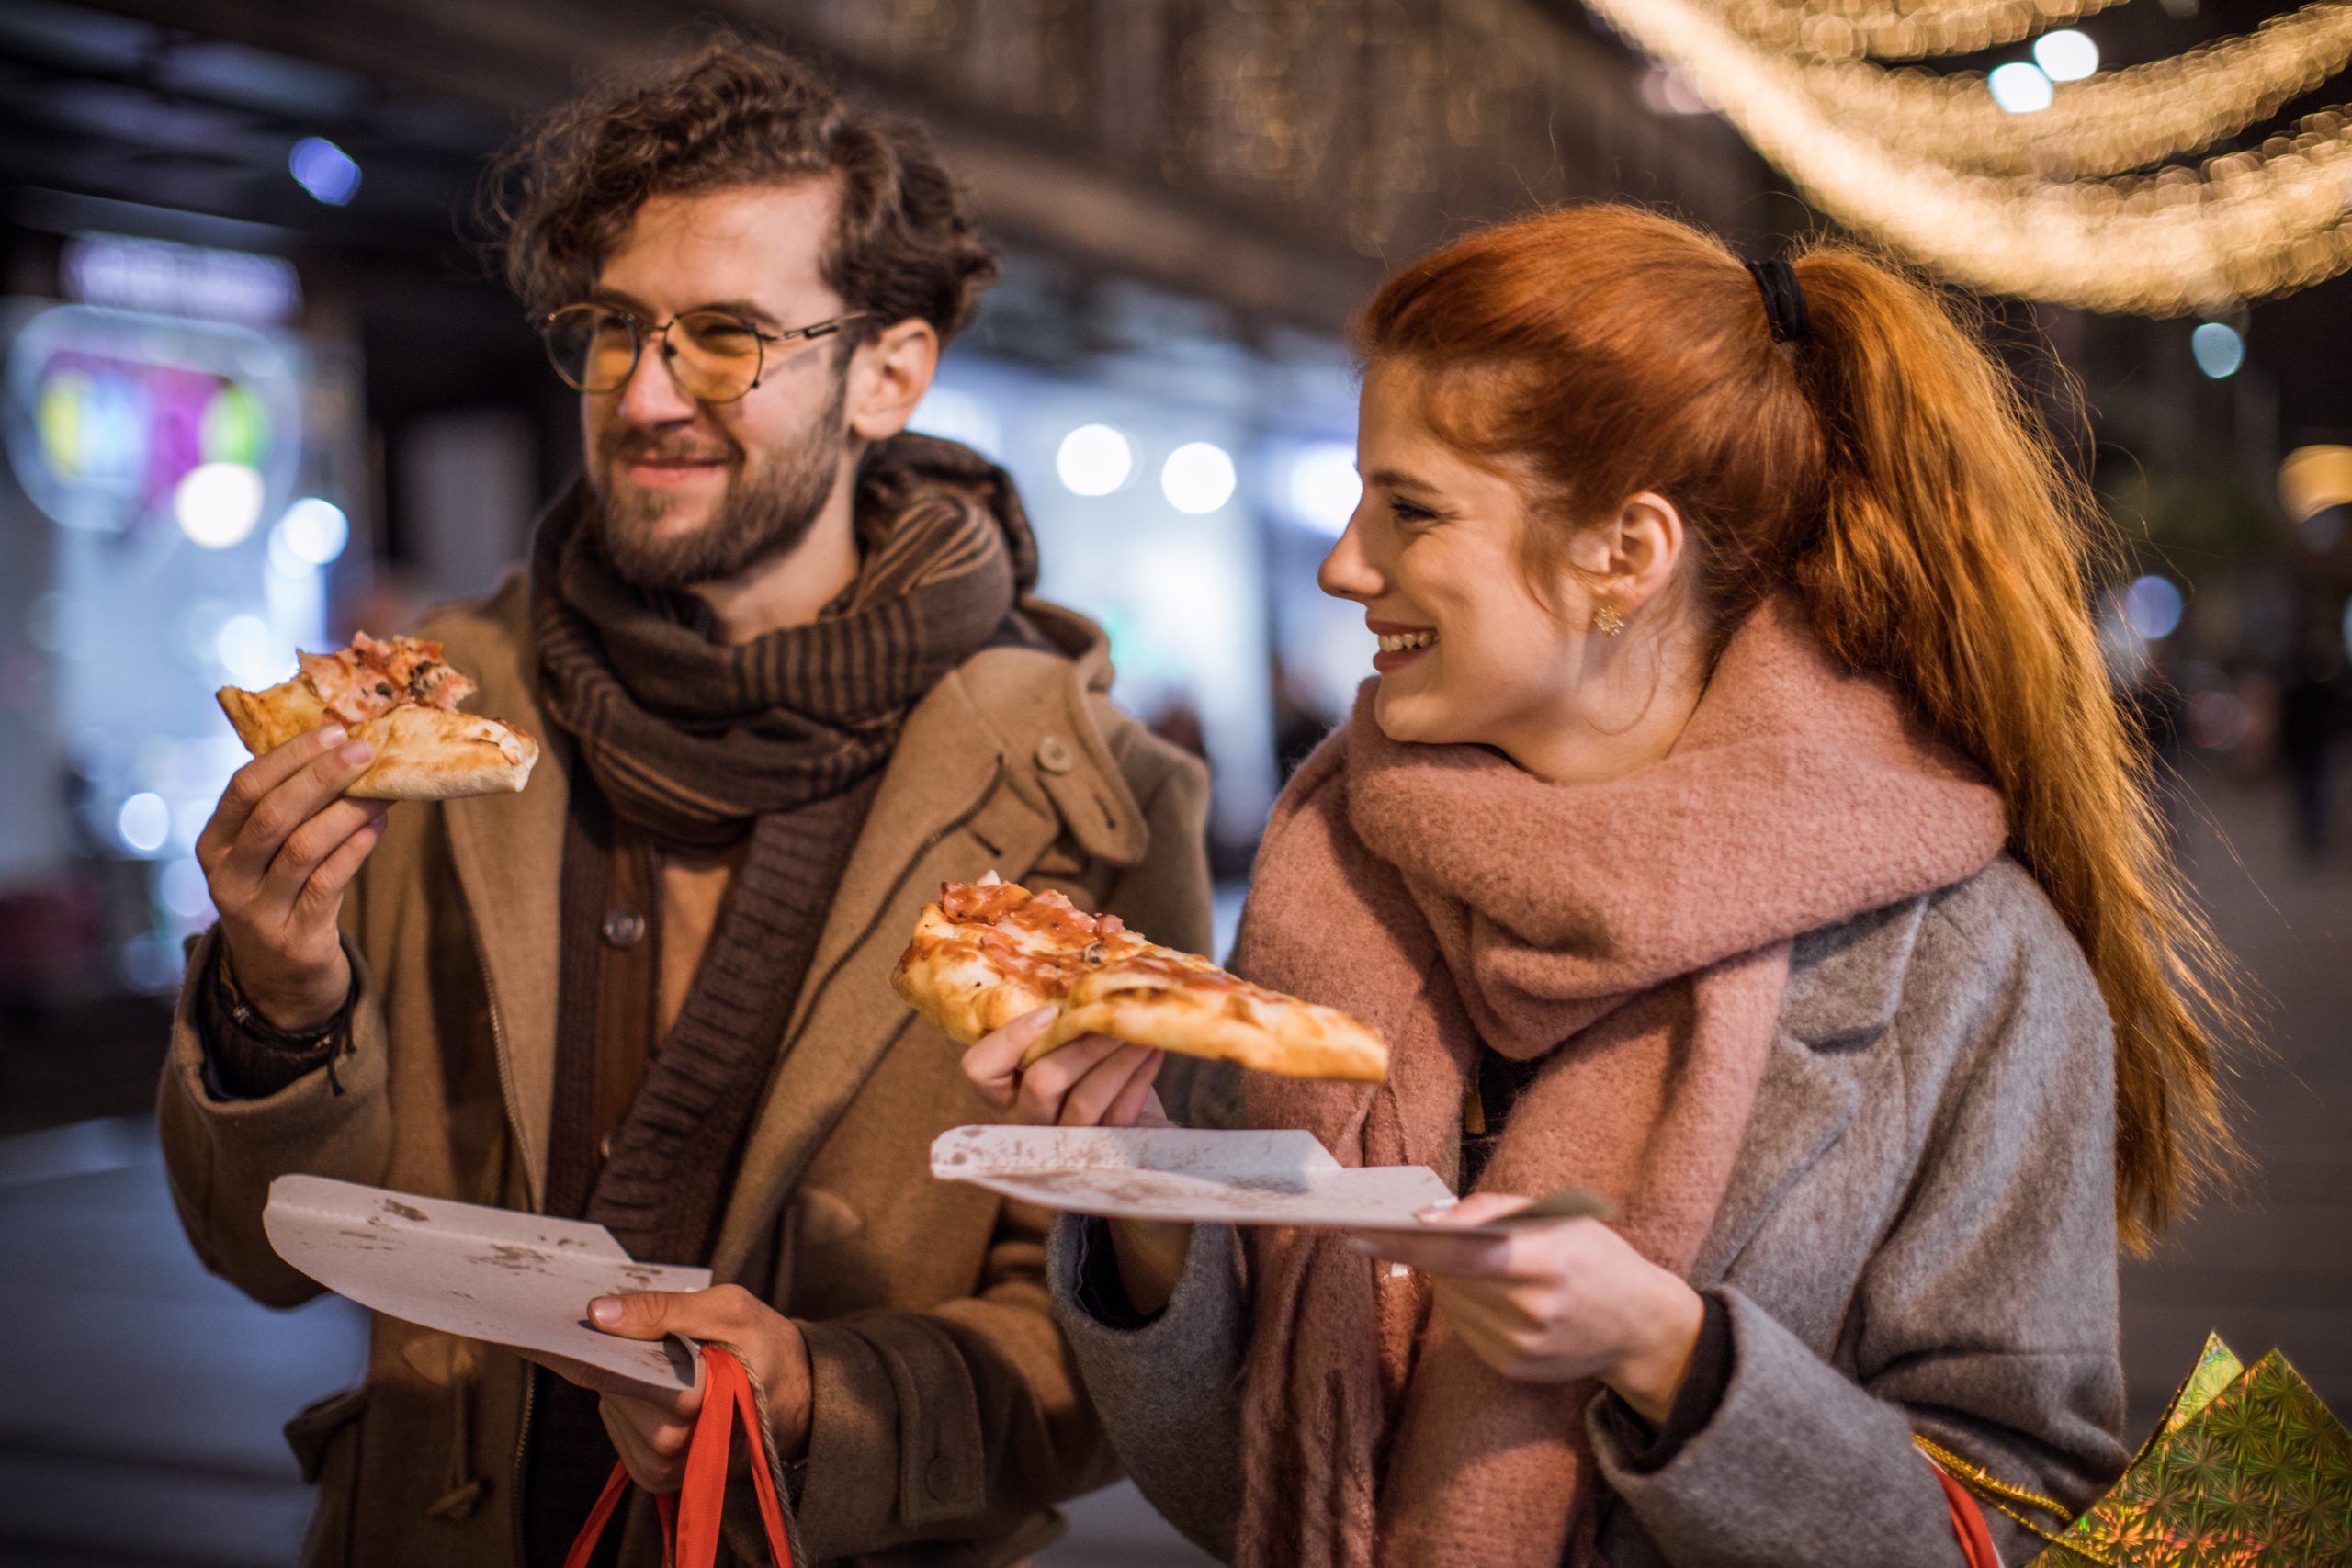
690 1518
1967 1522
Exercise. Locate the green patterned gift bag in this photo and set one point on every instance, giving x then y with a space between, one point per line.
2246 1469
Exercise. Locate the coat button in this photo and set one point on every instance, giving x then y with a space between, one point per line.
624 928
1055 756
939 1476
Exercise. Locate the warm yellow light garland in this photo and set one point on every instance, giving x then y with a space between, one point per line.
1904 29
2243 226
2112 122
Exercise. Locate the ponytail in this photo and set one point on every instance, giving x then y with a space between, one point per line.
1951 558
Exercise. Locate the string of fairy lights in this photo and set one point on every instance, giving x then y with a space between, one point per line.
2079 208
1835 29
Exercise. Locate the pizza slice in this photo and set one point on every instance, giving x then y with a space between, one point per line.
398 695
990 951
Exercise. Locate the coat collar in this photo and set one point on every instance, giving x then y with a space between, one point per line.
998 760
1845 983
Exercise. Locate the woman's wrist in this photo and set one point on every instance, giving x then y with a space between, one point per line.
1649 1377
1150 1257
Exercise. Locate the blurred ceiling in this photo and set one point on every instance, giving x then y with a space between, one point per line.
1270 157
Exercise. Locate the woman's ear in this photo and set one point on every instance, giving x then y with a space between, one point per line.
888 377
1638 551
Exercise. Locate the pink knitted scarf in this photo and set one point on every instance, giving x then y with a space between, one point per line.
1635 934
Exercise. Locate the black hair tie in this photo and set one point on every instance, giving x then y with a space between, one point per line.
1784 308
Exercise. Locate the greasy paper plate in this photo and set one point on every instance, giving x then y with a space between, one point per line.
1257 1177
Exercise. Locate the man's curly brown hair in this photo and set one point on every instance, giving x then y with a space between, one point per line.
733 113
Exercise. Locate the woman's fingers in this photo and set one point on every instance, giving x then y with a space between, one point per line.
1046 1082
993 1063
1093 1100
1138 1103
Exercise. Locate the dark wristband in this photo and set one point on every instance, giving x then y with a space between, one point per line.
246 1055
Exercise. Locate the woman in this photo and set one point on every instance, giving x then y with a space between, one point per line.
1741 827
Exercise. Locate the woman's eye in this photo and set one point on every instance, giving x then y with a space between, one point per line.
1408 512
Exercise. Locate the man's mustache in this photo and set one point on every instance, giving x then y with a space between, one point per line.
627 448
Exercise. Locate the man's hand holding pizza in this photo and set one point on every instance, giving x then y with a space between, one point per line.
278 852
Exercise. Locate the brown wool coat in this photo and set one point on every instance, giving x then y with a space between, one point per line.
949 1417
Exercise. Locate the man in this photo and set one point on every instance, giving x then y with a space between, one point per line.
790 681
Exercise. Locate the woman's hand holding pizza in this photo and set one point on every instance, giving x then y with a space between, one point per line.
277 854
1557 1302
1093 1081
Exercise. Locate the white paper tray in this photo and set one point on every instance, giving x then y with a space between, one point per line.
1182 1173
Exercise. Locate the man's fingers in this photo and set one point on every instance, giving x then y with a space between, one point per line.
295 801
652 1448
319 894
309 848
993 1063
1442 1254
251 783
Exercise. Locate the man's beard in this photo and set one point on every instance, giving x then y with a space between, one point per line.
765 513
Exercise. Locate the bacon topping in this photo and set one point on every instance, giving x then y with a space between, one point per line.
374 675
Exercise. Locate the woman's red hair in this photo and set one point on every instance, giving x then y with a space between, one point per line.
1890 470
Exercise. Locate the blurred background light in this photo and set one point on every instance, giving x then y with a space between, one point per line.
2019 89
1198 478
2066 55
1095 459
324 169
2313 478
954 415
217 504
2218 349
1665 92
1321 487
180 888
315 531
143 823
2153 605
251 652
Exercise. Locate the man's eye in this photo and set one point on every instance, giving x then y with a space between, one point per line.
721 333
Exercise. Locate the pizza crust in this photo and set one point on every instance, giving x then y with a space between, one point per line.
421 753
1138 992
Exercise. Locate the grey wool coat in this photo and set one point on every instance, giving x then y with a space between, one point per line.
1919 1235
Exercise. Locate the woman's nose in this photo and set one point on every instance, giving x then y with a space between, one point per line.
1348 572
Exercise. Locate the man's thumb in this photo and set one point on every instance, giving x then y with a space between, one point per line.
639 1315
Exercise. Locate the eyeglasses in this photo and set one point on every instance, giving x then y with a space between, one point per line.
716 356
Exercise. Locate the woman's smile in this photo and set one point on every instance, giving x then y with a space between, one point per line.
1399 644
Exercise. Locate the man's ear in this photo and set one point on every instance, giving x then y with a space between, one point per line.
888 378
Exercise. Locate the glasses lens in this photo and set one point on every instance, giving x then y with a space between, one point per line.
715 357
594 348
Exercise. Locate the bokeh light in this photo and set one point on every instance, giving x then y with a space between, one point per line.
2153 605
1095 459
217 504
1198 478
1322 487
2066 55
143 823
325 170
2218 349
315 531
2019 89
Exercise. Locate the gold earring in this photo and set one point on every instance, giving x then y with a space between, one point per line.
1606 620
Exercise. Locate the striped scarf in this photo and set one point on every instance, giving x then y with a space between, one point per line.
692 740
